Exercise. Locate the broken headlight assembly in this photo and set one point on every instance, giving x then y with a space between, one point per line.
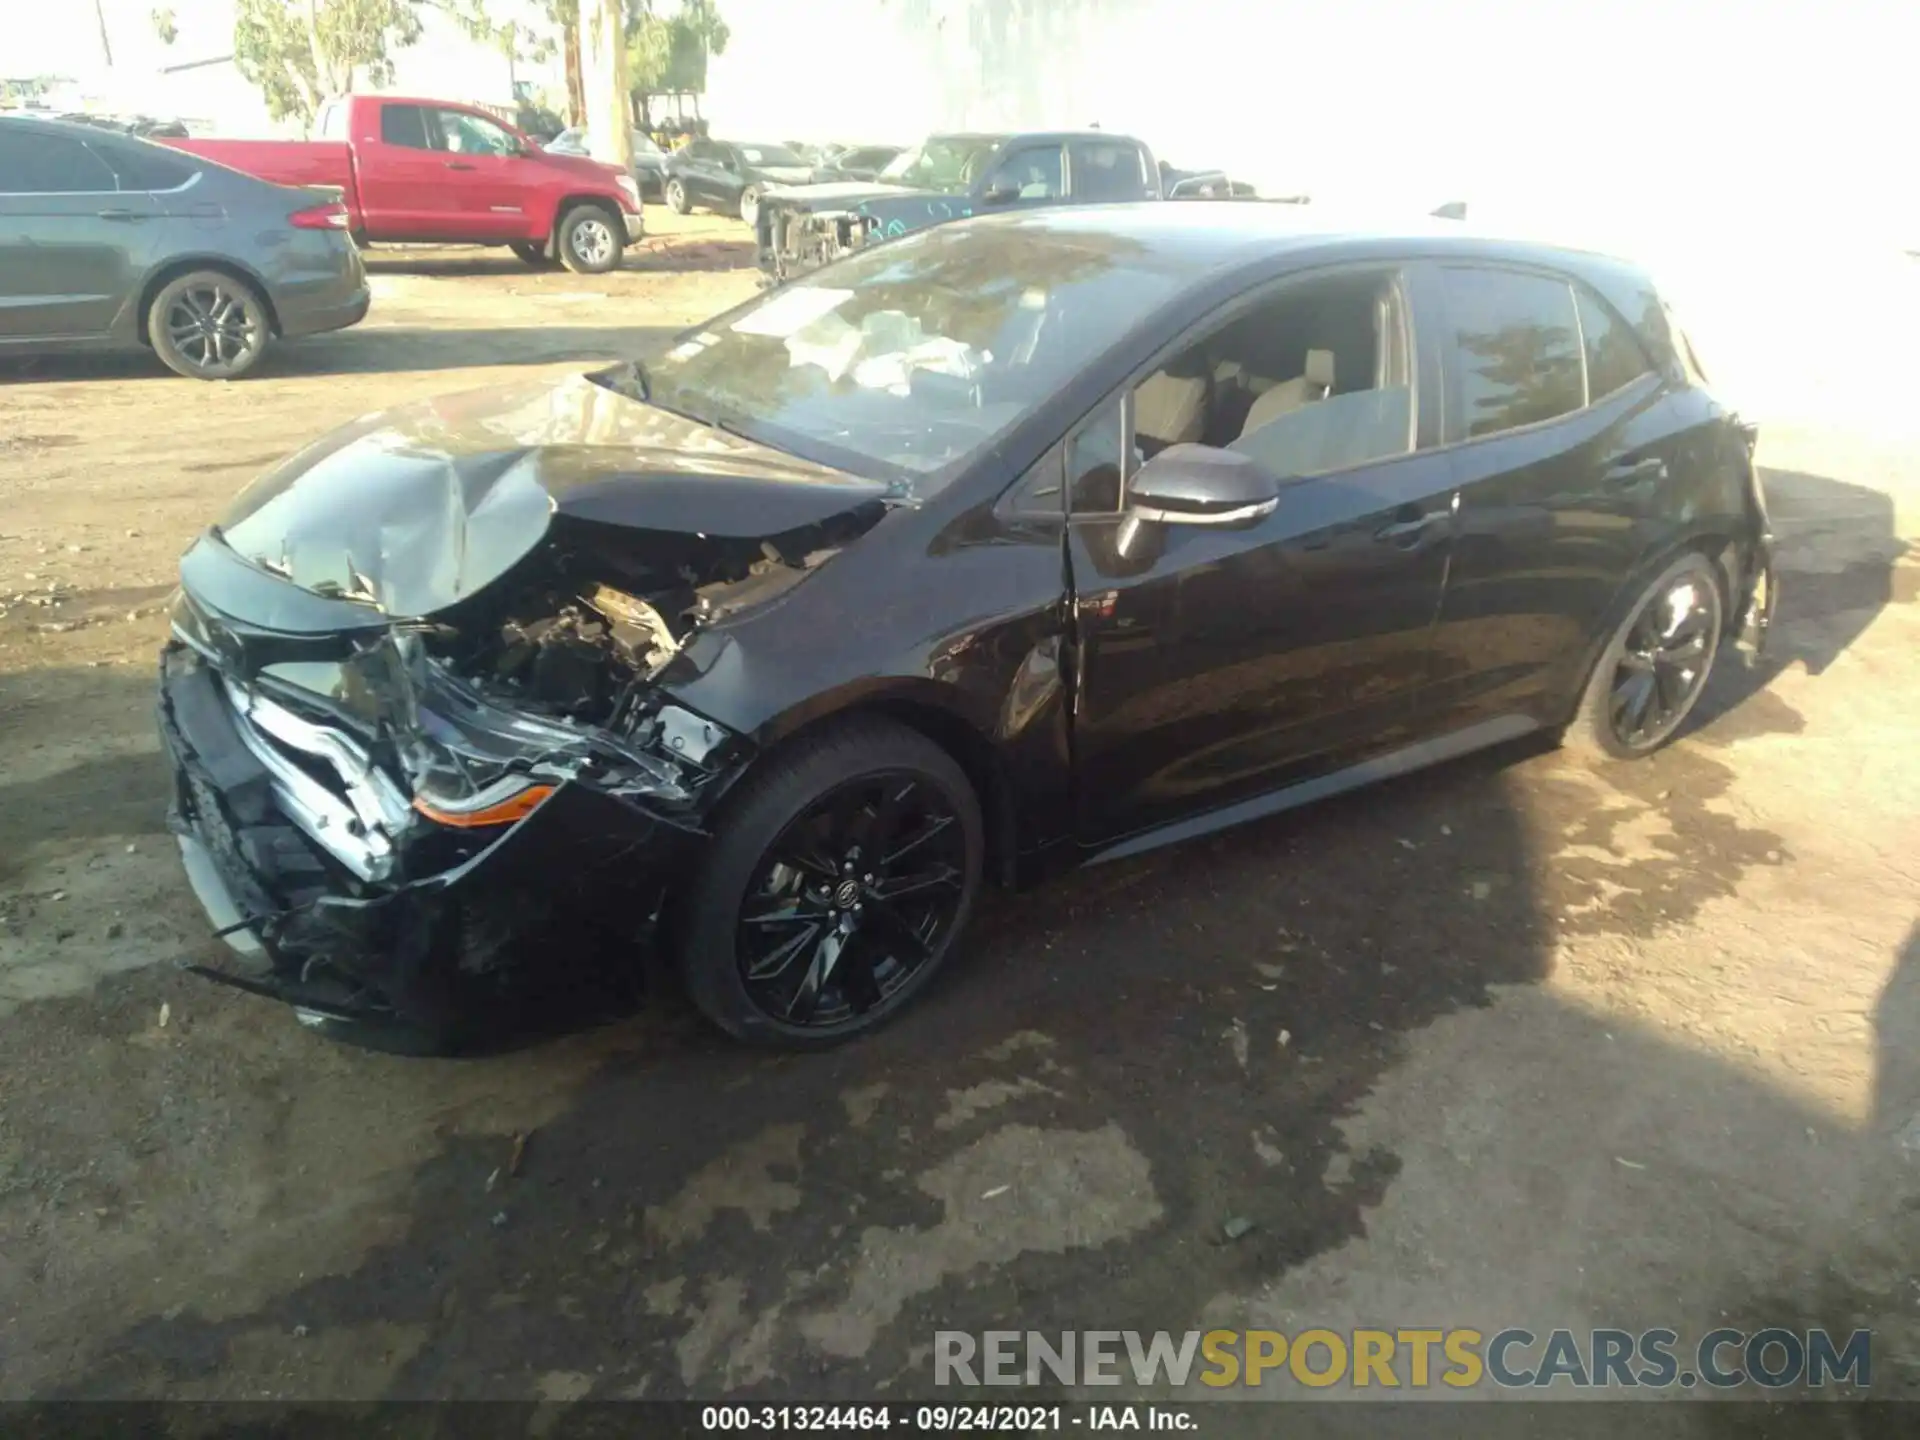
473 762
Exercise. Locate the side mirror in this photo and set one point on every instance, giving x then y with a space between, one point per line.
1199 485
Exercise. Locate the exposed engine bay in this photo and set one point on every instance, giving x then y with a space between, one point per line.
581 633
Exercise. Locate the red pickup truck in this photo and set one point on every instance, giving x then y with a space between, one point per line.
431 171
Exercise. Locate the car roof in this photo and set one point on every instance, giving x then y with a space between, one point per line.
1208 235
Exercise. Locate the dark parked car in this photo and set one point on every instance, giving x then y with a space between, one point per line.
111 242
856 162
649 160
1028 541
730 177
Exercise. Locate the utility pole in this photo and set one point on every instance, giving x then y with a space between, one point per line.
603 71
100 14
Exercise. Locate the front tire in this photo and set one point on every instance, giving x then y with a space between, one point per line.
1655 667
208 325
840 879
677 198
590 241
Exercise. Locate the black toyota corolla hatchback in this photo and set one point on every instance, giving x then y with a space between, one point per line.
1020 542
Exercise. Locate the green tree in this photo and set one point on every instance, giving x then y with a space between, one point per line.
164 27
670 52
300 52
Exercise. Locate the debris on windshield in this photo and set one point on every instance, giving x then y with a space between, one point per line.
884 351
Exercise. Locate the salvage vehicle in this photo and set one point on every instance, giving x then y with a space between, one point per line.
649 168
109 242
1034 540
434 172
730 177
949 177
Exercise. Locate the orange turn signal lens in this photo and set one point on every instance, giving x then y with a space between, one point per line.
517 807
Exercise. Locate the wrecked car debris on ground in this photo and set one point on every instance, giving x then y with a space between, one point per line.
764 655
950 177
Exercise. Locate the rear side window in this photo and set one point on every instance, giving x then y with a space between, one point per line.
146 167
1614 357
34 162
404 125
1108 170
1516 342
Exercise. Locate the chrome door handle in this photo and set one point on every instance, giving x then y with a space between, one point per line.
1406 532
1635 472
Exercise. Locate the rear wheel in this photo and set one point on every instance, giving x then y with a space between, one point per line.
590 241
677 198
208 325
1655 667
841 880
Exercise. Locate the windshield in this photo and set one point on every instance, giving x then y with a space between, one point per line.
769 155
940 163
910 358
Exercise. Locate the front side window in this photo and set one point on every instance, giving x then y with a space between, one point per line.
405 126
908 359
1109 170
948 164
1035 173
777 156
34 162
464 133
1516 346
1313 380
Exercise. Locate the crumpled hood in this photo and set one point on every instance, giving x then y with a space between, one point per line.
845 194
411 510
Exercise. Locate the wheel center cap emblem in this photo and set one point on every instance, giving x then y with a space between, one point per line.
848 892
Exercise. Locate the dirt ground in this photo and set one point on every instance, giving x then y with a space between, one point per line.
1515 1042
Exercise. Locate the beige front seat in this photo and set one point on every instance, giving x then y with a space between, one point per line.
1170 409
1290 395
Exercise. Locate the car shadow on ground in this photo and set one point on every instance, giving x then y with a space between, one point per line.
374 349
1124 1101
728 249
1838 564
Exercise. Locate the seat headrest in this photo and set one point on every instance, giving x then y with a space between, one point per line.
1320 368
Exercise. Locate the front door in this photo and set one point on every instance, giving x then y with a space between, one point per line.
73 246
493 196
1215 665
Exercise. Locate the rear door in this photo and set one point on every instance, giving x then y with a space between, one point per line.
698 167
1562 437
1110 171
406 189
73 247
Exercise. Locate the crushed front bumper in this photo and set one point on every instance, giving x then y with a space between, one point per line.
453 920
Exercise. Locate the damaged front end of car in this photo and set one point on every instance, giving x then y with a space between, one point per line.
397 771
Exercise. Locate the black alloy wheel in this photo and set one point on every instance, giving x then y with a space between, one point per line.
208 325
836 888
1655 669
676 194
